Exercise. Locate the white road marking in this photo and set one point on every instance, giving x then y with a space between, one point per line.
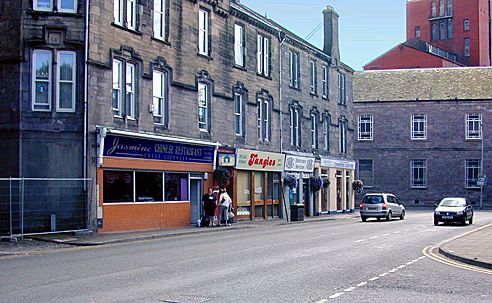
375 237
396 232
361 284
384 235
338 294
349 289
384 274
393 270
322 301
421 258
373 278
401 266
409 263
358 241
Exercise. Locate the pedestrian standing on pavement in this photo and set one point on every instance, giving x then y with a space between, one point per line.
209 202
225 203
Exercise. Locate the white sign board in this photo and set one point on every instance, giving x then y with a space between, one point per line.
337 163
299 164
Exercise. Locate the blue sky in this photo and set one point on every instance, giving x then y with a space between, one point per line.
367 28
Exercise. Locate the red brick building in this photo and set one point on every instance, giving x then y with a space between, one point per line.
452 33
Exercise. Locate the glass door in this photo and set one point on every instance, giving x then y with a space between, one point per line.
259 194
195 199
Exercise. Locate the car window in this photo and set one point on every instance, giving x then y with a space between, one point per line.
452 203
391 199
373 199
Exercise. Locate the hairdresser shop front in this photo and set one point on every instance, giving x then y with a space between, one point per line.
149 181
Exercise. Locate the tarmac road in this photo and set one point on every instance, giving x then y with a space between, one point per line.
327 261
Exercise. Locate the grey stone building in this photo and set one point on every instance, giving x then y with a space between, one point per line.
42 112
174 90
420 133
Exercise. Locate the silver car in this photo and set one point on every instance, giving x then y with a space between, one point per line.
381 206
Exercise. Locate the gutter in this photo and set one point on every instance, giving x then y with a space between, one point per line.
86 88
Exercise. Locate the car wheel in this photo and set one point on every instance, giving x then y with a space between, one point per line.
402 216
389 217
464 221
379 219
436 222
364 219
471 220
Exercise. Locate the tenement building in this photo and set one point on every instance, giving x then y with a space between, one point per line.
424 134
152 100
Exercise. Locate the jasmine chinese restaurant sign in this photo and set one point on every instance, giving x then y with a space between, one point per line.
128 147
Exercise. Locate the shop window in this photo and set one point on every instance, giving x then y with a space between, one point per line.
259 194
118 186
243 193
176 187
148 186
273 194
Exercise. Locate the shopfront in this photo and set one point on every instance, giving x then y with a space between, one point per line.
338 196
302 169
257 192
150 182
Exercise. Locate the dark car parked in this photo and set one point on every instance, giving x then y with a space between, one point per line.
453 210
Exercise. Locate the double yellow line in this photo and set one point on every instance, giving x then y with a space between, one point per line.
433 253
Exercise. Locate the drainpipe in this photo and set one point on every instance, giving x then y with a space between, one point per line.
86 114
282 40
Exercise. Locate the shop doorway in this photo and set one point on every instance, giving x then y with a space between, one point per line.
339 190
196 199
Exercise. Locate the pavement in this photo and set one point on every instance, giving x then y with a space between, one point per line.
473 248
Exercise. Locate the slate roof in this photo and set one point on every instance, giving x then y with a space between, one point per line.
462 83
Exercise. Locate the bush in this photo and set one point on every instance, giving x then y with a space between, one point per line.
290 181
358 186
316 183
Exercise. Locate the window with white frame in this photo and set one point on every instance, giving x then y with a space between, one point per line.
124 89
450 7
203 32
325 82
473 126
203 106
434 9
442 12
295 125
117 87
62 6
238 113
419 127
125 13
263 118
342 125
239 45
314 130
263 55
160 20
365 128
419 173
160 97
341 89
312 65
417 32
130 90
473 169
450 28
65 89
294 69
366 172
326 132
466 25
43 80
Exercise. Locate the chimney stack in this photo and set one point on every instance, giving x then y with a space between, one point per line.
330 46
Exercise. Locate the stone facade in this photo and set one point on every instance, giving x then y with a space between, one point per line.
395 97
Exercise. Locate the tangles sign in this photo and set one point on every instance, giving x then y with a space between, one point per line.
299 164
257 160
127 147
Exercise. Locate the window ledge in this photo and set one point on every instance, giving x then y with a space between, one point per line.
239 67
293 87
126 29
165 42
314 94
263 76
418 188
208 57
53 13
